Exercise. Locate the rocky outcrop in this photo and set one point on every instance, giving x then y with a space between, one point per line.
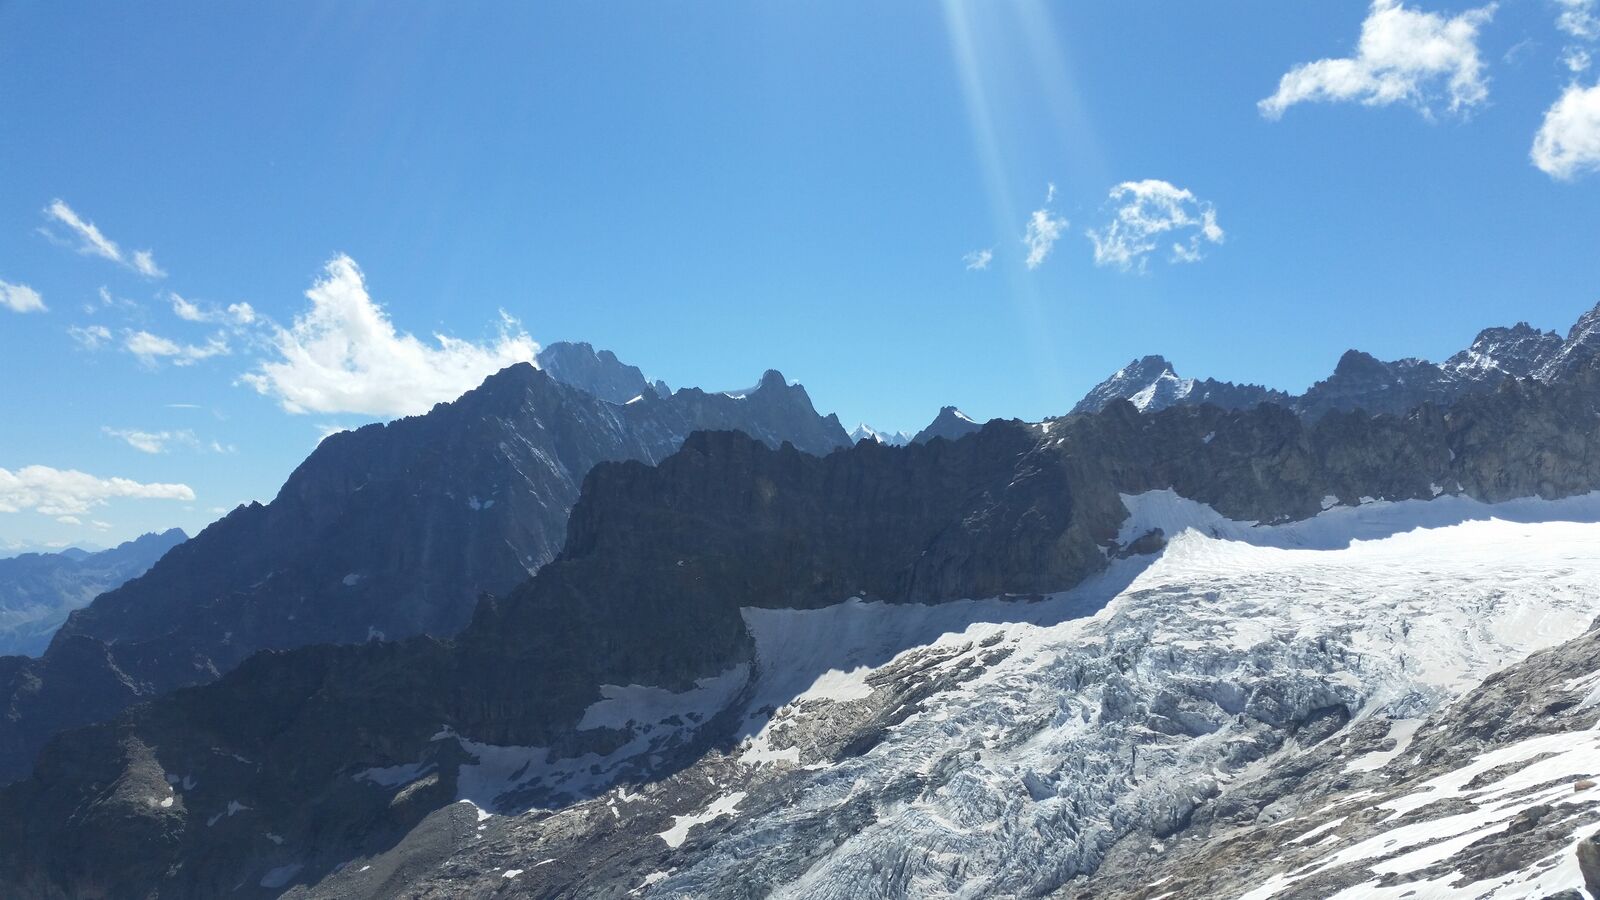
38 590
388 531
1582 344
345 751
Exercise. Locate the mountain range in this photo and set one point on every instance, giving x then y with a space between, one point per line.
1361 381
543 642
38 590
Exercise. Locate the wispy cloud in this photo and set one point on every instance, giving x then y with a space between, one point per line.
91 337
1568 142
1043 231
165 441
68 492
92 241
1404 56
20 298
150 441
153 349
1579 18
1147 213
978 260
344 355
232 314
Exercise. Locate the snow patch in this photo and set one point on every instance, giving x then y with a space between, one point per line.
722 806
641 705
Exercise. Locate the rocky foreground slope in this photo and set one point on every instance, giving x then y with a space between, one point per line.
683 690
388 531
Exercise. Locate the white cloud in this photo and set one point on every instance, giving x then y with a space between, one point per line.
68 492
151 349
185 310
1579 18
1050 192
1404 56
1043 230
1149 212
144 262
92 337
344 355
234 314
164 441
157 441
69 520
1576 59
978 260
1568 143
93 242
20 298
108 300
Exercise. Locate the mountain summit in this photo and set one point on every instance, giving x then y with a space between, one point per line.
596 372
950 424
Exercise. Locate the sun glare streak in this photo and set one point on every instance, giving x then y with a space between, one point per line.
1075 129
1006 213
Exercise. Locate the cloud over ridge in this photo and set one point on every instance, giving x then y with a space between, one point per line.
344 355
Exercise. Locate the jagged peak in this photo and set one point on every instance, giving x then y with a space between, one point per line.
951 423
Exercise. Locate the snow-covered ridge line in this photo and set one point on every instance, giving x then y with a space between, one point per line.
1337 526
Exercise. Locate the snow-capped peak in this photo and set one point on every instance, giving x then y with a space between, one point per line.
863 432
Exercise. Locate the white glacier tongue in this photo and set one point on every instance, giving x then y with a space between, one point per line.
1013 743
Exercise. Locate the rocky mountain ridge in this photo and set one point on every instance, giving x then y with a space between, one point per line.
1361 381
388 531
345 753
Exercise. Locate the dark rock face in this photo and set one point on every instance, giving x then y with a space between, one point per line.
1581 345
950 424
386 532
658 562
1589 862
599 373
38 590
1360 381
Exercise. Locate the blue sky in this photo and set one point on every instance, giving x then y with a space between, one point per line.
713 189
